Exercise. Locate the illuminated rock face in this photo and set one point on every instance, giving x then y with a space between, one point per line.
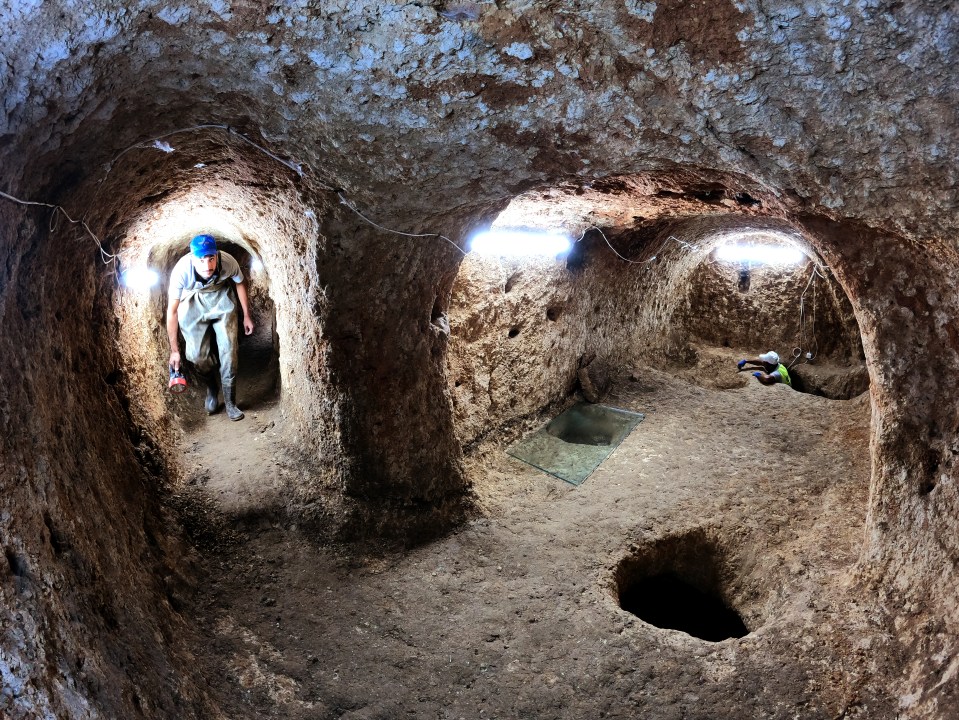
833 121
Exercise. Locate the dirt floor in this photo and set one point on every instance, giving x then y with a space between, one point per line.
516 613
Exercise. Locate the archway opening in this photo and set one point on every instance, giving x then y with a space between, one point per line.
760 290
645 281
158 241
256 214
258 371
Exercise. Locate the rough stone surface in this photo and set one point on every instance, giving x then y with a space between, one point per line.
648 130
792 311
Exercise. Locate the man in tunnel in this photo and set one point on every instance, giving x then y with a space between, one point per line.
772 371
204 288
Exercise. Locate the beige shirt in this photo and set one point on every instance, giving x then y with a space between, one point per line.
184 280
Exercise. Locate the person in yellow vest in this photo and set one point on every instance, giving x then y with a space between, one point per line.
772 371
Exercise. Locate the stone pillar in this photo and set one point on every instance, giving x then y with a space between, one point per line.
904 295
387 332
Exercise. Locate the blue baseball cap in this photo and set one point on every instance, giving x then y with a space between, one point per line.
203 246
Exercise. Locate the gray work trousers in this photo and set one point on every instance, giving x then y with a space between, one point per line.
208 312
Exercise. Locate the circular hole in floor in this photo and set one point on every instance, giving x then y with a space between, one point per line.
669 602
678 584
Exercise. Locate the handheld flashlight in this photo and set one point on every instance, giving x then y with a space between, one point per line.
177 381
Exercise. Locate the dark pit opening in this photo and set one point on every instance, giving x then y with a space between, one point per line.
683 583
666 601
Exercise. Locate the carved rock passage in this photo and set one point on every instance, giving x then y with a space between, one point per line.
834 120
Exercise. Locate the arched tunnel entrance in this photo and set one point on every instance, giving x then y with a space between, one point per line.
258 373
659 291
651 319
245 200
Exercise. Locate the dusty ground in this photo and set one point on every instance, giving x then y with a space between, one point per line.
515 614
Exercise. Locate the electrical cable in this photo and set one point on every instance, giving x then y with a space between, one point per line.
813 331
159 143
344 201
801 335
105 257
295 166
637 262
155 142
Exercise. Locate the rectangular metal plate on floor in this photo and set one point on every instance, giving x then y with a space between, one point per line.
575 443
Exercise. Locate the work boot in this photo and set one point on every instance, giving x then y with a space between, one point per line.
212 387
229 399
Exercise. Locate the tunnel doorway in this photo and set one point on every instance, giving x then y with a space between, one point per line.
258 372
735 306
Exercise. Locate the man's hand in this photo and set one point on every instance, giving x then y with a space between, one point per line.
175 360
741 364
758 375
245 307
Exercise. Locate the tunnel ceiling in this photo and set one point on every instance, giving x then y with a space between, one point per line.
841 108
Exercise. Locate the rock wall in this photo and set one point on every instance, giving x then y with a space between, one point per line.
905 305
517 334
400 464
92 561
779 309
